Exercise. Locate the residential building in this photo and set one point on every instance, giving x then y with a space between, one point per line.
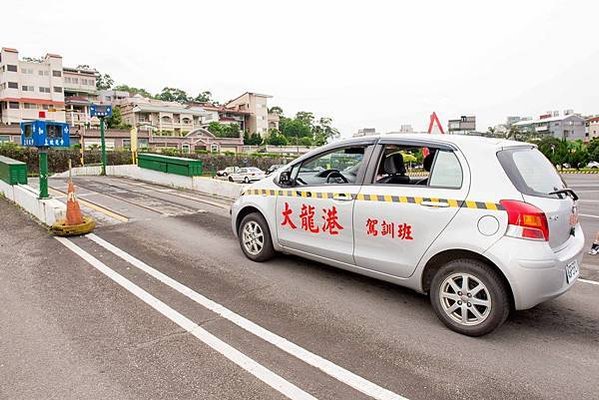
592 128
257 105
112 96
465 125
568 126
79 93
162 118
28 87
406 128
365 132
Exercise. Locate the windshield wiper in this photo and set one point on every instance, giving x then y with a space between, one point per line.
566 191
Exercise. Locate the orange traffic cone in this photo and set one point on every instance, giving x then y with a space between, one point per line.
74 223
74 216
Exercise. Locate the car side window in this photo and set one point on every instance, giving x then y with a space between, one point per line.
446 171
337 167
421 165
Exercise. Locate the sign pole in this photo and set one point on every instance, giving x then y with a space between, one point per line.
103 143
43 162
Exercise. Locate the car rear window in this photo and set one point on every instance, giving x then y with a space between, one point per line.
530 171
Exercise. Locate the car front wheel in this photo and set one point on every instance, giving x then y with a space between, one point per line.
469 297
255 239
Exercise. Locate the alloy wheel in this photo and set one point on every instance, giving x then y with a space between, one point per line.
465 299
253 238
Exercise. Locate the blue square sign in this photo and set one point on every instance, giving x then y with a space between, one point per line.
41 133
100 110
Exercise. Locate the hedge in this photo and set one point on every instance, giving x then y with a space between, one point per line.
58 159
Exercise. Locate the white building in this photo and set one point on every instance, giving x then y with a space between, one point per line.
28 87
365 132
568 126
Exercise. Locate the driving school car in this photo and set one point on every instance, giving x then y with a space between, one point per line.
487 227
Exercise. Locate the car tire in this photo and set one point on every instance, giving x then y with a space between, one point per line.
486 307
246 180
252 228
231 179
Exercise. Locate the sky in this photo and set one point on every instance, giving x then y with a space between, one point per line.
366 64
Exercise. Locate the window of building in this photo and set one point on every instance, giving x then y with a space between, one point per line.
30 106
27 88
44 89
11 68
45 107
27 71
43 73
67 79
76 80
57 89
56 73
4 138
13 85
14 105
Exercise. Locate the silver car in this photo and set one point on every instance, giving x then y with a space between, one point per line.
485 227
247 175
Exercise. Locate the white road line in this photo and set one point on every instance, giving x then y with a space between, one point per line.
264 374
588 215
588 281
355 381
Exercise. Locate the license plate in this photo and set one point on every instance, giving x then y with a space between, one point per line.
572 271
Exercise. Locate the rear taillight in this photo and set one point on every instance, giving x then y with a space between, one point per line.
525 220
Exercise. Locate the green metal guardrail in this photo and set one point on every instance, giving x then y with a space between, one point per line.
170 165
12 171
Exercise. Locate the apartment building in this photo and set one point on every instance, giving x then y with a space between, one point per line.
28 87
256 106
592 128
568 126
465 125
162 118
79 93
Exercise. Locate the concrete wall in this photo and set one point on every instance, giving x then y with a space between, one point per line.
46 211
209 186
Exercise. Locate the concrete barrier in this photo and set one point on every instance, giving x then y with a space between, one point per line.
204 185
47 211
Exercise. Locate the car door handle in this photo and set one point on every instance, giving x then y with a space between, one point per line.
434 204
342 197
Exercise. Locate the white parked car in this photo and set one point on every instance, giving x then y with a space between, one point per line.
593 164
491 228
247 175
227 171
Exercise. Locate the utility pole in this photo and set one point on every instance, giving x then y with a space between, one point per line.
103 144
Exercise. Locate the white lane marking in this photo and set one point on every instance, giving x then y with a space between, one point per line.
264 374
355 381
588 215
588 281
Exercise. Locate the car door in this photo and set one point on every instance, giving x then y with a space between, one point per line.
394 224
314 213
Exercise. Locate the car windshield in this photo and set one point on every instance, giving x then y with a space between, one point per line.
336 167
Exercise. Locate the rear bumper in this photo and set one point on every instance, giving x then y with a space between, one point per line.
535 272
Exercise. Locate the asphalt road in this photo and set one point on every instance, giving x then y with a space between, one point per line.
104 328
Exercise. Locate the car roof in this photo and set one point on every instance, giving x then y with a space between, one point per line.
460 141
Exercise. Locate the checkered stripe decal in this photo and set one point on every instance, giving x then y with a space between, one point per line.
481 205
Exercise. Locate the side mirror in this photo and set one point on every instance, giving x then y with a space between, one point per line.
285 178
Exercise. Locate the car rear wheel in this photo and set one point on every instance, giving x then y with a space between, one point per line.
230 179
469 297
255 239
246 180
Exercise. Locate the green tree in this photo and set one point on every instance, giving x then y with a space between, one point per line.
548 147
323 131
216 128
306 117
104 82
593 149
204 97
276 138
252 140
133 90
276 110
294 128
173 94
